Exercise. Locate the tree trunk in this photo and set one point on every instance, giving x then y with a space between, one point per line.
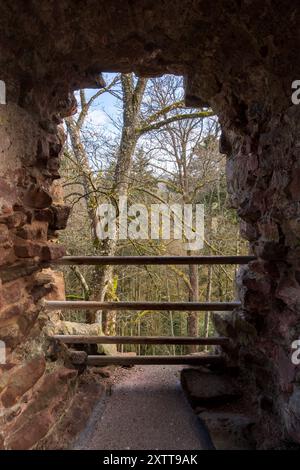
193 322
208 297
170 316
132 98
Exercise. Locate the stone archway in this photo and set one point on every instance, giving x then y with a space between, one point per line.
238 61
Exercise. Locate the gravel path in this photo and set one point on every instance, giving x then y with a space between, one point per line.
146 409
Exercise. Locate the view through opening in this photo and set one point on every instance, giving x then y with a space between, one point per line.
135 141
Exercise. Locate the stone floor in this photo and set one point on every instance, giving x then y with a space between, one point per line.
145 409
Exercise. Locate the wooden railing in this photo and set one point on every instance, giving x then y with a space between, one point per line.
84 339
153 260
151 306
154 306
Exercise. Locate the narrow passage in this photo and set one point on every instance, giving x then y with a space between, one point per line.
146 409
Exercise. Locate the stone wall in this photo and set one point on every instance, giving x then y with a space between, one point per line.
31 389
264 185
240 57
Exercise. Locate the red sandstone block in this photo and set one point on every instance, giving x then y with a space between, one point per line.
52 393
27 249
10 333
21 379
56 216
44 215
4 234
13 220
54 380
7 255
12 292
28 435
60 216
7 314
34 231
36 197
52 251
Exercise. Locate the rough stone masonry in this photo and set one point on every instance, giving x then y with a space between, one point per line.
238 56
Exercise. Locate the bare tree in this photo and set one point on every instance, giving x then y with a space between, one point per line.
138 119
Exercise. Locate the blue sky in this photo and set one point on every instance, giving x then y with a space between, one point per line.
105 104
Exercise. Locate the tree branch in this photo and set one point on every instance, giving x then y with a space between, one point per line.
176 118
163 111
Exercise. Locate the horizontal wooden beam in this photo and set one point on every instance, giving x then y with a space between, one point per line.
152 360
153 306
145 260
81 339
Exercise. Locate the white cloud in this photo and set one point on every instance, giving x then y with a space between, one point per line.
97 117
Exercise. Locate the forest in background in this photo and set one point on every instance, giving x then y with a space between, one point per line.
150 149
